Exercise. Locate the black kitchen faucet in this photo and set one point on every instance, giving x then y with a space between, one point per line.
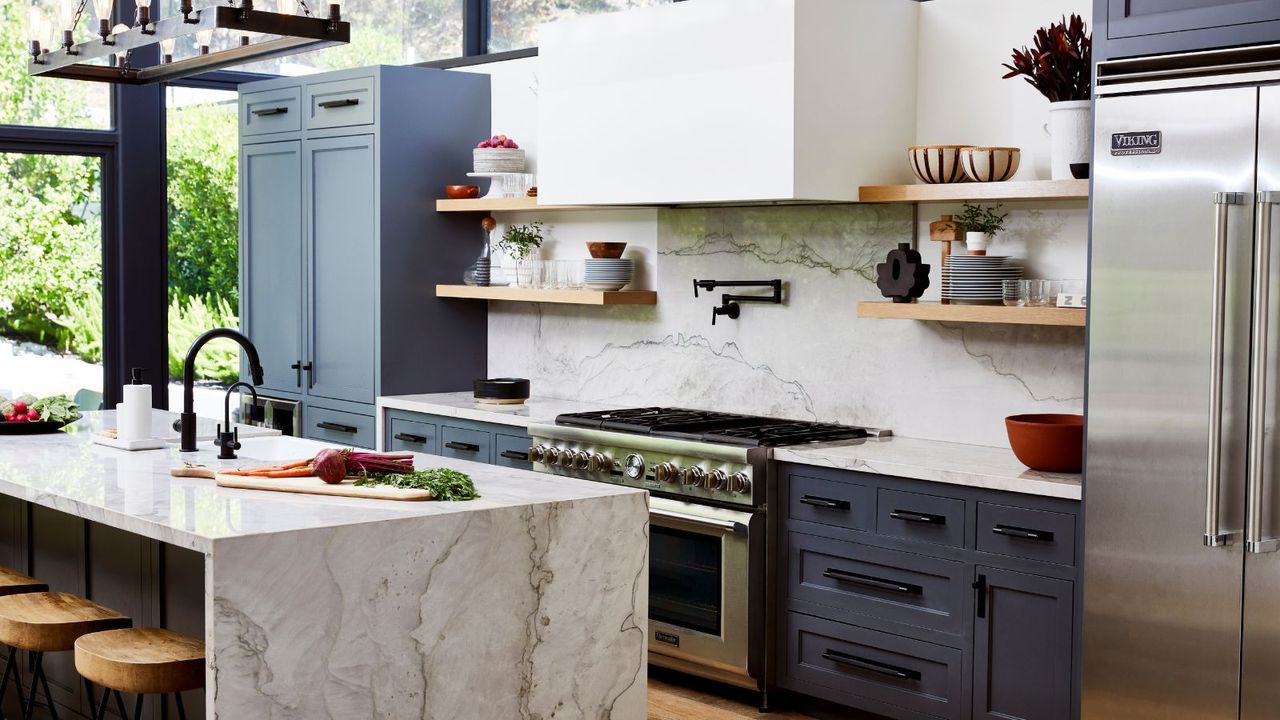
729 303
188 419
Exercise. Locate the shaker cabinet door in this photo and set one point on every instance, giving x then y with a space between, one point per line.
1131 18
271 260
339 180
1022 646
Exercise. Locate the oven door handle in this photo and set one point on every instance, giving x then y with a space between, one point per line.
736 528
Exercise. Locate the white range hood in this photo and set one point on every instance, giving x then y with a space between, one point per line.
724 101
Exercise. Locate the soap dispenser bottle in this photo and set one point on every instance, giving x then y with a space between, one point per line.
133 415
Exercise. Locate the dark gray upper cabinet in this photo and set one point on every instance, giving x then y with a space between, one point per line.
1129 28
341 245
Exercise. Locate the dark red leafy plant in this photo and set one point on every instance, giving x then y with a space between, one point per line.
1060 63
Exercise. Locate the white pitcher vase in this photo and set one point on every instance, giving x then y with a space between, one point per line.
1068 130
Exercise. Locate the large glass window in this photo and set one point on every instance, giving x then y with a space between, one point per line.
514 23
27 100
203 239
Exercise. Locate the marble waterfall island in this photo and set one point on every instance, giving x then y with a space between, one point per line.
530 602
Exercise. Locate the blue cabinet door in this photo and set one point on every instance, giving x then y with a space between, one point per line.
271 260
339 178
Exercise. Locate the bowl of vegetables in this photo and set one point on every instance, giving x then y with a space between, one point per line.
29 415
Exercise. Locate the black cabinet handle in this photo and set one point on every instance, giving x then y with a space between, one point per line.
297 368
872 582
345 102
1024 533
824 502
263 112
981 586
410 438
918 517
311 379
874 666
336 427
515 455
465 447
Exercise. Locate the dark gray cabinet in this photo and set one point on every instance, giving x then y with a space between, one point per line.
492 443
912 599
1128 28
341 245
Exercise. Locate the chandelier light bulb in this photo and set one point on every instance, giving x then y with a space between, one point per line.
203 38
37 24
102 8
166 49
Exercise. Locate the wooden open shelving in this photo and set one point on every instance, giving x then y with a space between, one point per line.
518 204
960 192
566 297
997 314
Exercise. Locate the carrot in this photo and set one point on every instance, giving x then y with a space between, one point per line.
290 473
296 464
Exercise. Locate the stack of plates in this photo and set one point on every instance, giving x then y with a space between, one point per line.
608 273
977 278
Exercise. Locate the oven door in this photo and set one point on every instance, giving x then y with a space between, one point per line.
702 569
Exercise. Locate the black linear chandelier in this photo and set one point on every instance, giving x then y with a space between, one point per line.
289 33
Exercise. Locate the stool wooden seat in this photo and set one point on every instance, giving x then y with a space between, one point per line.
51 621
143 661
13 582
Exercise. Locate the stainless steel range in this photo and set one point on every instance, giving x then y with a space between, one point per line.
710 475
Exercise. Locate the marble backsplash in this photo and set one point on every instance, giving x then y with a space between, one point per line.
812 357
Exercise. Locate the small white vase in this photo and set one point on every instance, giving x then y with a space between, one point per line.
976 243
1068 130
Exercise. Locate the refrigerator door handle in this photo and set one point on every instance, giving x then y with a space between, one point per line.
1254 541
1213 534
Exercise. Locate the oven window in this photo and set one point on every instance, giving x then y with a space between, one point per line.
685 572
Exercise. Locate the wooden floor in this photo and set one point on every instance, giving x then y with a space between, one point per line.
668 701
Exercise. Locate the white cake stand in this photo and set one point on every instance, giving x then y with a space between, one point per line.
506 185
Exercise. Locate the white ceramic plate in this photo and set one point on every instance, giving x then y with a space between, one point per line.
606 286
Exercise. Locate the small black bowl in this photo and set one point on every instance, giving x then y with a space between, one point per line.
1080 171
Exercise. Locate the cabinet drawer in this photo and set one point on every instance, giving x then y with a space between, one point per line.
853 665
512 451
829 502
924 518
340 103
851 582
464 444
411 436
340 427
1031 534
270 111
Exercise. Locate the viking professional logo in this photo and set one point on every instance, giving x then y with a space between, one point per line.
1136 143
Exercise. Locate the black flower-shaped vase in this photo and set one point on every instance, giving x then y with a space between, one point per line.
902 276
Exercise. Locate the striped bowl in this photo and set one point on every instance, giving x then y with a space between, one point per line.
990 164
936 164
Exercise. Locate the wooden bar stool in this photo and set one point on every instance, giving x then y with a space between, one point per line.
42 622
13 582
142 661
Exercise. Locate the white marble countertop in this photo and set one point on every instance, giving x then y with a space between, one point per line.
976 466
464 405
133 491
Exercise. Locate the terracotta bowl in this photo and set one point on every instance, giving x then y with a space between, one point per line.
610 250
462 192
1049 443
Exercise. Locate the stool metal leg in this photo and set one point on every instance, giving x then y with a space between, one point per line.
120 704
177 698
137 707
102 706
14 670
39 680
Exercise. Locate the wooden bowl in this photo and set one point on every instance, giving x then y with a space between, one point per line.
990 164
606 250
462 192
1049 442
937 164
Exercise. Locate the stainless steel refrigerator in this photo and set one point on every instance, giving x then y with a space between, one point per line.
1181 594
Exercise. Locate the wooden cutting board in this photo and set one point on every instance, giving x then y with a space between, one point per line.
315 486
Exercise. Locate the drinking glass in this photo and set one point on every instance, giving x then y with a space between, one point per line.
577 274
528 273
1049 292
564 274
1013 293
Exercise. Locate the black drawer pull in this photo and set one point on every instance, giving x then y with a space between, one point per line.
1024 533
822 502
406 437
874 666
345 102
297 367
465 447
336 427
918 517
515 455
872 582
263 112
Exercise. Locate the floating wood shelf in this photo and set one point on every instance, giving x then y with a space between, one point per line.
998 314
567 297
519 204
959 192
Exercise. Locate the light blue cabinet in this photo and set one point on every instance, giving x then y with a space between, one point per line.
341 245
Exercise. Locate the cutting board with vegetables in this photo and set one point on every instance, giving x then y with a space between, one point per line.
312 485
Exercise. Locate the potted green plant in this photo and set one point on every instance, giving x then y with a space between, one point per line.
1059 65
980 225
521 242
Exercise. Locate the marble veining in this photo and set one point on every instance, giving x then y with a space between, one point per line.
464 405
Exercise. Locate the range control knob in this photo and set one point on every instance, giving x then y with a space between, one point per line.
601 463
666 472
550 455
693 476
634 466
717 480
739 483
581 460
566 458
537 453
